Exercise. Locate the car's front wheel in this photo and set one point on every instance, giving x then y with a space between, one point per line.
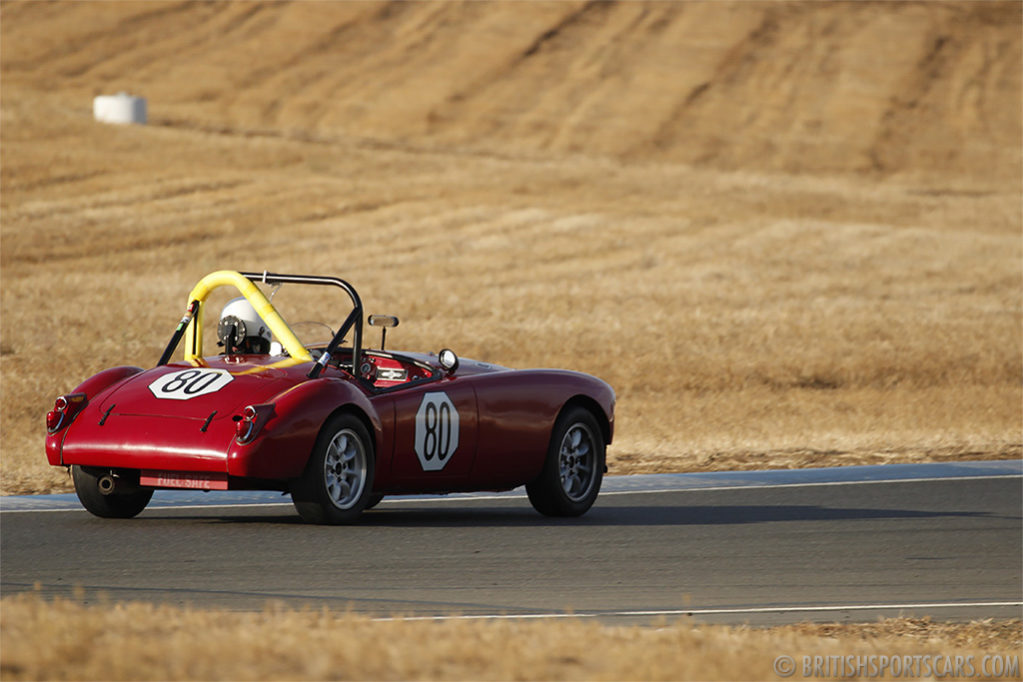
338 481
110 505
574 468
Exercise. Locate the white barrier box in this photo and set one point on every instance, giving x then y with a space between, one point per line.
121 108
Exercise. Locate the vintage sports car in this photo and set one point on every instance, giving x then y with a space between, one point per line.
337 426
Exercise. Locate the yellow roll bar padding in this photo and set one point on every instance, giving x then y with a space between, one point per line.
263 307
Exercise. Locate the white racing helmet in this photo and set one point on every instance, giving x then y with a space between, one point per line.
241 330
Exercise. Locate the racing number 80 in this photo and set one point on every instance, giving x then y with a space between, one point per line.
192 382
437 436
189 383
436 431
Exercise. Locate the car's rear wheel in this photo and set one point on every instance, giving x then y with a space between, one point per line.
115 504
574 468
338 481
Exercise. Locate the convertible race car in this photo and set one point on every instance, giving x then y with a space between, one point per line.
336 425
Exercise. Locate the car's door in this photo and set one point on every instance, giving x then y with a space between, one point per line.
435 434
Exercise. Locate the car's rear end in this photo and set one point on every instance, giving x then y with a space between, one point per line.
174 426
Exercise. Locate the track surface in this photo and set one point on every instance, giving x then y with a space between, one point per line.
762 554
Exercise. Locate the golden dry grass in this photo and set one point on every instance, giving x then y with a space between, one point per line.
787 234
65 639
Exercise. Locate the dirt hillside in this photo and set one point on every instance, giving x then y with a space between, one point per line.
787 233
861 87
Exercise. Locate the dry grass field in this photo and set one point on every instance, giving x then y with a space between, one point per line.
131 641
788 234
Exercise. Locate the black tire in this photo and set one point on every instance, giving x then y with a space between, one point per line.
113 506
338 481
574 468
374 500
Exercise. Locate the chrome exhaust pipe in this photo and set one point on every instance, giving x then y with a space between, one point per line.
109 484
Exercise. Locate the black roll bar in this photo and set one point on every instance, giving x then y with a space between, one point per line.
193 307
354 318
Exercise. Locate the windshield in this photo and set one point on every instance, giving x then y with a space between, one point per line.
313 334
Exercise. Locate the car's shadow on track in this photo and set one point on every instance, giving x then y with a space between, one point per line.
640 516
611 516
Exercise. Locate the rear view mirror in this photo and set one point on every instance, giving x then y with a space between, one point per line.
383 321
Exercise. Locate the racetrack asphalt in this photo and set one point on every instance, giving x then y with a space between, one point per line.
848 544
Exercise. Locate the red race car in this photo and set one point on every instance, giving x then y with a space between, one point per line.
337 426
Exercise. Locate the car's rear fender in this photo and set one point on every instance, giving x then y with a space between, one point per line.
98 383
283 446
92 388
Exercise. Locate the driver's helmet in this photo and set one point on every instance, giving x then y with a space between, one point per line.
241 330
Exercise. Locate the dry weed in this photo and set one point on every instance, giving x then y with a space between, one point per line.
64 639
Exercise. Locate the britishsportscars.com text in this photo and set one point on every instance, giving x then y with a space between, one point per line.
921 666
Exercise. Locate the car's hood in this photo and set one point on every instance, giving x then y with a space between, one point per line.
180 390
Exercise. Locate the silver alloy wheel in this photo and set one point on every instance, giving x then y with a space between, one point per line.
576 462
344 469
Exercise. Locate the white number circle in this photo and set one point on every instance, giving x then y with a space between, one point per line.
190 383
436 431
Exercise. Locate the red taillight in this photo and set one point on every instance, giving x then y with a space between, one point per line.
249 424
64 410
